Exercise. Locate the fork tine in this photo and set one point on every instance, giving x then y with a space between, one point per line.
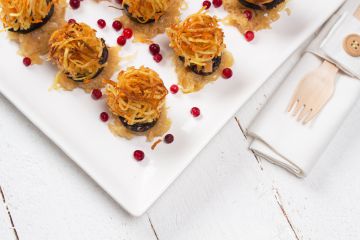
294 99
305 111
298 106
310 116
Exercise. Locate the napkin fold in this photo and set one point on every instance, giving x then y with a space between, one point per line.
279 138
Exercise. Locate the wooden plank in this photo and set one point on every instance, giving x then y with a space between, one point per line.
222 195
324 205
48 196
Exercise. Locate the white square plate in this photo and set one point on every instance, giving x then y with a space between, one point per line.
71 119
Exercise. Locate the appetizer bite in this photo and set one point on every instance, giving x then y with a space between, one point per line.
253 15
149 18
31 23
199 47
83 59
137 101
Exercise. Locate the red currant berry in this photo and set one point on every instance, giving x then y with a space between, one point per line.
174 89
217 3
127 32
158 57
249 36
75 4
195 111
169 138
117 25
121 40
227 73
139 155
27 61
101 23
206 4
96 94
71 21
104 116
248 14
154 49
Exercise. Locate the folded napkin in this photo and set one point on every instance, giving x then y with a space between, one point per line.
280 139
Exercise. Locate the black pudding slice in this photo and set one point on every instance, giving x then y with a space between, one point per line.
216 63
35 26
103 59
138 127
138 20
267 6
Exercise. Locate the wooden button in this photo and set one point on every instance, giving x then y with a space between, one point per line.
352 45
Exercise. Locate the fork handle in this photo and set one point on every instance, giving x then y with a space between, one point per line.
328 70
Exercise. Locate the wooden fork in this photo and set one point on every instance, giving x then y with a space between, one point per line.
313 92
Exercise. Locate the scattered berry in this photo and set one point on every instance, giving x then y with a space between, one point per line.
121 40
75 4
139 155
248 14
101 23
158 57
71 21
154 49
119 1
206 4
249 36
227 73
195 111
169 138
174 89
117 25
104 116
27 61
217 3
96 94
127 32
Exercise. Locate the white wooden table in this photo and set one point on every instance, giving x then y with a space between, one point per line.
226 193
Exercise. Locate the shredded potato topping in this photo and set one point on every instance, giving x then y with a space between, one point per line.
138 96
145 10
77 51
21 14
198 39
